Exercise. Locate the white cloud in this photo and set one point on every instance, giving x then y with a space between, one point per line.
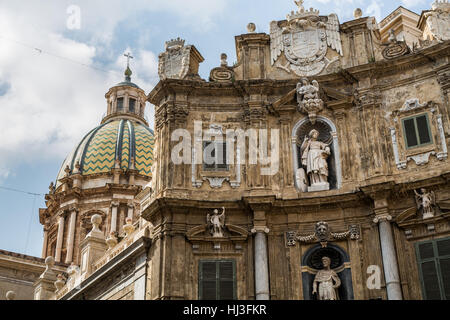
48 103
374 9
413 3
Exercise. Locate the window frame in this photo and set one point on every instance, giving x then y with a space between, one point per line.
217 262
414 117
436 259
134 105
215 168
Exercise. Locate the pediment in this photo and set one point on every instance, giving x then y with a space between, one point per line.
231 233
330 96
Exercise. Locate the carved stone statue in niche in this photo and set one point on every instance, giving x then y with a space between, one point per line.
314 158
216 223
426 201
326 281
308 99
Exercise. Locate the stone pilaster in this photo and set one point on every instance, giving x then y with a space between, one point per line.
114 206
45 244
130 210
71 234
59 239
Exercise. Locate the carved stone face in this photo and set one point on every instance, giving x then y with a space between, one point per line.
322 231
326 262
423 190
314 134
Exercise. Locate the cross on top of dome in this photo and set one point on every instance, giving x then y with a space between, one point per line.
128 71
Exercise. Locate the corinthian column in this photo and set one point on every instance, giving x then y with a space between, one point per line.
59 239
391 275
71 234
261 264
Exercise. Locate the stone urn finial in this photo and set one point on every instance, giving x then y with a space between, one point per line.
10 295
251 27
357 13
49 262
96 220
128 227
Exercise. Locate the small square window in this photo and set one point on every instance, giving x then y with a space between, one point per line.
417 131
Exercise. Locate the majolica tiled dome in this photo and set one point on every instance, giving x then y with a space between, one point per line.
121 139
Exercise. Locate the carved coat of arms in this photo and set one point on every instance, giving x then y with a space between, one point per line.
174 62
304 38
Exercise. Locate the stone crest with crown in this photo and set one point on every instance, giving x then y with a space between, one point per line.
304 38
179 61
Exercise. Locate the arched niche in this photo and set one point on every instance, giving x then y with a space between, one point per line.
312 263
328 134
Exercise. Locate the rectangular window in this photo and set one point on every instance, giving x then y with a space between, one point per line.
417 131
217 280
131 104
218 152
434 268
119 104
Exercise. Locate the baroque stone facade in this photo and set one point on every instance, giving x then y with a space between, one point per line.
329 180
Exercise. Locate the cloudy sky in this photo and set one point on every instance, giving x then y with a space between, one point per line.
53 76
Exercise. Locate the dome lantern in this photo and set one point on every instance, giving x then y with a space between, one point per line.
126 99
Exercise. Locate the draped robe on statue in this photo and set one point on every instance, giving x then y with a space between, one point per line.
326 285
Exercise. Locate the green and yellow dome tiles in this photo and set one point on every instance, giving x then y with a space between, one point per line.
114 140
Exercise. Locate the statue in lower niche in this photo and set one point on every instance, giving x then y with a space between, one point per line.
314 158
216 223
326 282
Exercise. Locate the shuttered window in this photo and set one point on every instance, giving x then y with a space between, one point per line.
218 156
217 280
434 267
417 131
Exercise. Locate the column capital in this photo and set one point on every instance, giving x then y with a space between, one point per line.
260 229
115 203
130 205
382 217
73 208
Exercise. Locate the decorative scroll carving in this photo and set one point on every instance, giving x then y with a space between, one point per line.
224 73
395 48
216 182
323 235
304 39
